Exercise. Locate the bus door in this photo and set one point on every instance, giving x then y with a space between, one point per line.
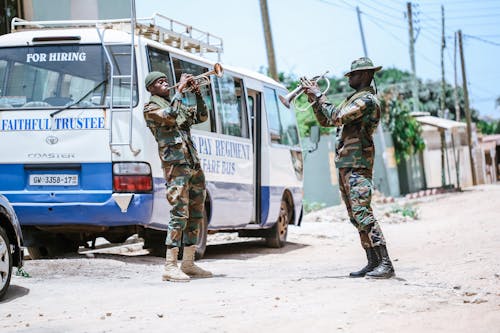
228 164
255 110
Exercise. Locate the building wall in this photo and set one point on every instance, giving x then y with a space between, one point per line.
454 159
320 173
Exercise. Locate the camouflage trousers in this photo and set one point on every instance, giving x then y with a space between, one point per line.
186 194
356 189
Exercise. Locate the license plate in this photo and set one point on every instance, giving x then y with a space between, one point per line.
53 180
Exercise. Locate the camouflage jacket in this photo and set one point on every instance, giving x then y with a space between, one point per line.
170 122
356 119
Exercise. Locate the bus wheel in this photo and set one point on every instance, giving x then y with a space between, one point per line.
5 262
201 244
278 233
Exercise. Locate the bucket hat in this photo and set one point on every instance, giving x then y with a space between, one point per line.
362 64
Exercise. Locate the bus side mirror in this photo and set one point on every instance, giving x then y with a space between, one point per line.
314 137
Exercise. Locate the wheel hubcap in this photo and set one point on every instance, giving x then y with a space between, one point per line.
283 223
4 263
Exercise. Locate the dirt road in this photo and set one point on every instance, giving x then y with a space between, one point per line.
447 265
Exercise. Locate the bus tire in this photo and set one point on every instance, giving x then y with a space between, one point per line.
278 233
6 263
201 244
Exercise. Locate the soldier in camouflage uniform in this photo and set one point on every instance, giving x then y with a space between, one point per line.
356 119
170 122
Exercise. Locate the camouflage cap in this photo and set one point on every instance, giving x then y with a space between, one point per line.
362 64
152 77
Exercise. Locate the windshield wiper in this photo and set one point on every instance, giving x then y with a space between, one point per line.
81 99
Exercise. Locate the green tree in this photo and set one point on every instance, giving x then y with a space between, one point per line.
405 130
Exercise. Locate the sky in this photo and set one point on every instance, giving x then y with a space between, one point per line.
313 36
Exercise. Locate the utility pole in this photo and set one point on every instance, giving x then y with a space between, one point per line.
455 90
457 110
271 59
361 31
443 100
443 46
467 110
412 58
380 130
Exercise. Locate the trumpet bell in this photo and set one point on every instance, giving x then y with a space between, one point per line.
286 100
218 70
292 96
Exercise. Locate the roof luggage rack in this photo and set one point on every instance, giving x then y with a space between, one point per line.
158 28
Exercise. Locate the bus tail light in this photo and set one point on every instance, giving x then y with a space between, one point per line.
132 177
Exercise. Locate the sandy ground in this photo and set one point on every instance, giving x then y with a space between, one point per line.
447 265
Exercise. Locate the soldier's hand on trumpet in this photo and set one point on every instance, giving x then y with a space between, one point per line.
311 89
188 82
195 86
184 82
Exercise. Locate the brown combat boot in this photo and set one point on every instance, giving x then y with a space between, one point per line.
172 272
188 265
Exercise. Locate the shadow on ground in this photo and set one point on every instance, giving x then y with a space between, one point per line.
247 250
14 292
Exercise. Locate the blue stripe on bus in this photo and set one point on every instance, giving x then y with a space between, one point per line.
264 202
90 202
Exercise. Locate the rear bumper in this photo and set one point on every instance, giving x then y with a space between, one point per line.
106 213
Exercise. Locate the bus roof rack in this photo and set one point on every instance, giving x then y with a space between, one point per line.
158 28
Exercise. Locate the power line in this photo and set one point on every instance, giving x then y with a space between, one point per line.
473 16
378 9
348 7
482 40
383 28
472 2
461 10
383 20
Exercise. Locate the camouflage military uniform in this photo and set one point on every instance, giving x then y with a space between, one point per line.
170 123
356 119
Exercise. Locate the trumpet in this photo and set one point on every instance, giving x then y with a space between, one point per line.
292 96
202 79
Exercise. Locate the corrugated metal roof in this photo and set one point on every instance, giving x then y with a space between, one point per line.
440 122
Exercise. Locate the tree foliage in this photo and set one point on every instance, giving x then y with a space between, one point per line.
405 130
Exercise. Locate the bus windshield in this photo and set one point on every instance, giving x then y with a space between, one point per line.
49 76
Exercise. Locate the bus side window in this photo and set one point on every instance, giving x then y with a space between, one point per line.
181 66
272 115
282 124
251 105
231 109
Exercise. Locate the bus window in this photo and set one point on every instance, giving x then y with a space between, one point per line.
272 115
180 67
289 130
160 61
55 75
281 121
231 108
